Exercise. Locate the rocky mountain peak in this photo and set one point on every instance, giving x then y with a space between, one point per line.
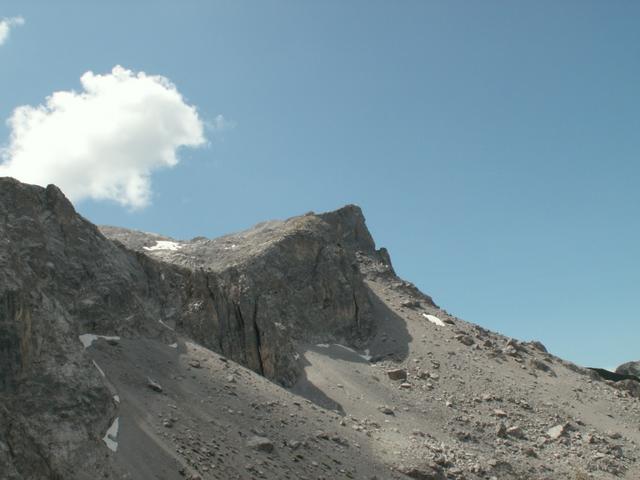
267 288
288 350
350 227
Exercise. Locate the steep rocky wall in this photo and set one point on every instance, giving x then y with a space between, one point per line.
306 287
61 277
50 392
302 291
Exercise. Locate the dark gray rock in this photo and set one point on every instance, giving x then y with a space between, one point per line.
629 368
153 385
537 345
397 374
426 472
260 444
630 386
613 376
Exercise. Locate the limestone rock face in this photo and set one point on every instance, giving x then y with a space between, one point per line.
251 296
58 276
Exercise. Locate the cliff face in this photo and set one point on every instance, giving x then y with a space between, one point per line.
58 277
252 296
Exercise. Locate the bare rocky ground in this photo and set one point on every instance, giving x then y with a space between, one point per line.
289 351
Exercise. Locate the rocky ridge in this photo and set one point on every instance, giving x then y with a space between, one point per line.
133 355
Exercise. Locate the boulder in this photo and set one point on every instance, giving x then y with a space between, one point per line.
397 374
261 444
629 368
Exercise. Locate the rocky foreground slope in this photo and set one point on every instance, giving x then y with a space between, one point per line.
288 351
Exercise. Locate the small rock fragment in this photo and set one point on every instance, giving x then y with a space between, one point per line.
556 432
465 340
294 444
538 346
386 410
153 385
428 472
515 432
397 374
261 444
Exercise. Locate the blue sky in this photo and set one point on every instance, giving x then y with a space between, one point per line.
493 146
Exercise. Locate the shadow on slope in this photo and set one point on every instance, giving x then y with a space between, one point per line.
324 365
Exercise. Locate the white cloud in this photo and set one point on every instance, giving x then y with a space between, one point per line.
6 24
104 142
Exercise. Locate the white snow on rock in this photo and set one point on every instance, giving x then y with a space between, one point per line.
433 319
110 438
164 245
88 338
99 369
116 398
165 325
173 345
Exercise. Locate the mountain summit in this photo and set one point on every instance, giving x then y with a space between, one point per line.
291 350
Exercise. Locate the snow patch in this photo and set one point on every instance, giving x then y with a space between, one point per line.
164 245
88 338
99 369
366 355
165 325
433 319
110 438
116 398
346 348
173 345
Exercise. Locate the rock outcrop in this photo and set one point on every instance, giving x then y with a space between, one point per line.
252 297
629 368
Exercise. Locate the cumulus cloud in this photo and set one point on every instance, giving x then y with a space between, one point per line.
6 24
104 142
